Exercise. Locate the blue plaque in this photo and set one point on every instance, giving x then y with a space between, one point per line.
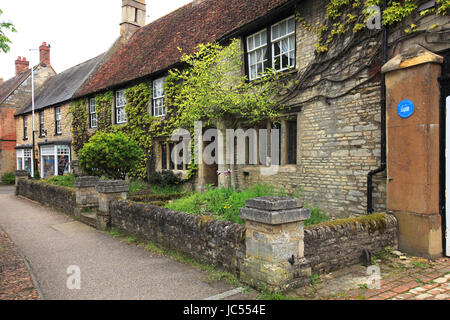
405 108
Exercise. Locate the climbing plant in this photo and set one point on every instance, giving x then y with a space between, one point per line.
104 106
212 88
139 124
344 16
80 123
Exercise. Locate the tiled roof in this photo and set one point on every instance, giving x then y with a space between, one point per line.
154 47
62 87
8 87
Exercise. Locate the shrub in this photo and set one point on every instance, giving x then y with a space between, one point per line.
224 203
317 216
113 155
67 180
165 178
8 178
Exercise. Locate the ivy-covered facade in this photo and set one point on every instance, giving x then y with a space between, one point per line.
330 122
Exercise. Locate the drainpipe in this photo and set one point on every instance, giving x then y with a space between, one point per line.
382 166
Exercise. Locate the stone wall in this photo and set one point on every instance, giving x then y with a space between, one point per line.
339 244
219 243
59 198
338 139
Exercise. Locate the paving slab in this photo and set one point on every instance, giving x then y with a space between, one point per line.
109 268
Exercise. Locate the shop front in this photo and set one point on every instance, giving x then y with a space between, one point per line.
24 156
55 159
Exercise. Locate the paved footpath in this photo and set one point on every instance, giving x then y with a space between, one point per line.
402 278
110 269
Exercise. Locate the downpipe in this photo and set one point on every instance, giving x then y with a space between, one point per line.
382 166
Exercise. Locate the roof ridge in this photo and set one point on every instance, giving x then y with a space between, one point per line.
19 83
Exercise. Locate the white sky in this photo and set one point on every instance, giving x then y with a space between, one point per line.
77 30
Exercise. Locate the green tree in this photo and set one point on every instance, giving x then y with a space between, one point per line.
4 40
212 88
113 155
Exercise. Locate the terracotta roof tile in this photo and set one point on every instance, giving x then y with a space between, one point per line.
154 47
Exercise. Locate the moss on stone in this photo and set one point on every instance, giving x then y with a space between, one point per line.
372 222
204 220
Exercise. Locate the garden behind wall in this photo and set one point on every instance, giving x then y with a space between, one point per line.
327 247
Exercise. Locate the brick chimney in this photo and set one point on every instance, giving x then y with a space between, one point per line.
21 65
44 53
133 16
1 81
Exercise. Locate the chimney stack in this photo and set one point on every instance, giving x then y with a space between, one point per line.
21 65
134 13
44 54
1 81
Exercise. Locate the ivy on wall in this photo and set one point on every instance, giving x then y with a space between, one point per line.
80 123
104 104
343 16
139 123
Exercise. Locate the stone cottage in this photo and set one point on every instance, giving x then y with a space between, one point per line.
339 144
14 93
50 153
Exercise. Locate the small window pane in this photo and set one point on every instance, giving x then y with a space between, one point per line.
276 49
275 32
252 58
291 27
253 72
264 37
257 40
250 43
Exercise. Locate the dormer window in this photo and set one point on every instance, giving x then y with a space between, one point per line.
257 54
273 47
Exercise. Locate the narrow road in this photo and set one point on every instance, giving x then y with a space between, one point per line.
110 269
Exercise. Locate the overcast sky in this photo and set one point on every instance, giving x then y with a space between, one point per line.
76 30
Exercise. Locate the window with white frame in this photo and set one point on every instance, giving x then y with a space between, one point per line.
92 113
55 160
24 161
158 98
283 44
58 120
41 124
25 127
121 116
257 54
278 52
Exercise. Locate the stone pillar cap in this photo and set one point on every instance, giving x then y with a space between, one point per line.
274 210
86 181
21 173
112 186
273 203
415 55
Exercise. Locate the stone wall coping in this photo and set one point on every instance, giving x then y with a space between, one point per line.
112 186
273 203
274 217
86 181
21 173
